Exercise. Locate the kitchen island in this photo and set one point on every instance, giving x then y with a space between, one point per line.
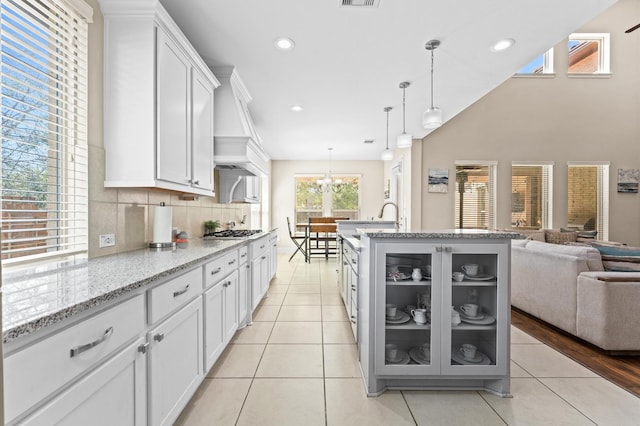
127 338
412 329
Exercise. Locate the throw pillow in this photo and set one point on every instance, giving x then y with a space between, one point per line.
559 237
587 234
619 258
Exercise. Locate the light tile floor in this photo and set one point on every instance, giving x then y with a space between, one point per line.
297 365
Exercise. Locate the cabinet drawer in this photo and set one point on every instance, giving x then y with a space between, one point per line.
171 295
112 394
259 247
37 371
219 268
243 255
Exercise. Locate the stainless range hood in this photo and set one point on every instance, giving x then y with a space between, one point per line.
237 145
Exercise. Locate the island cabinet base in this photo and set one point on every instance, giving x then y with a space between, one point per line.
434 311
499 387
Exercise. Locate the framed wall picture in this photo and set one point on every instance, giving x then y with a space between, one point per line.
628 180
438 180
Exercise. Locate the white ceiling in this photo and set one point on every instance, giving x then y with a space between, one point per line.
348 62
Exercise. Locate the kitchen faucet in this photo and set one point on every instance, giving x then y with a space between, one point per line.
397 212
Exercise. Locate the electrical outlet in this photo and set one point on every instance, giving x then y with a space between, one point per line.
107 240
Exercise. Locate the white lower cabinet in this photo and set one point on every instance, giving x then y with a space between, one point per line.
213 326
137 362
36 372
221 317
113 394
175 363
230 306
273 256
244 293
259 270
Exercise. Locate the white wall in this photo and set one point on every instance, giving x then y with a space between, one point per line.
556 119
283 188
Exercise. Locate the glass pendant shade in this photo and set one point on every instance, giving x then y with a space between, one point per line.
387 155
404 141
432 118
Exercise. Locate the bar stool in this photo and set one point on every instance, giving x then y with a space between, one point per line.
299 240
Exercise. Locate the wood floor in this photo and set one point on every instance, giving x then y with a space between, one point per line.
621 370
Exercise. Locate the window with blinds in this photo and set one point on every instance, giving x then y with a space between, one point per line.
475 195
531 195
43 54
588 198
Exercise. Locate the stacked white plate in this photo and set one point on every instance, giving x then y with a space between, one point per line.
400 318
479 277
479 319
479 359
420 357
401 358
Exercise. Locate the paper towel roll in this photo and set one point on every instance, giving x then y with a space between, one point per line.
162 224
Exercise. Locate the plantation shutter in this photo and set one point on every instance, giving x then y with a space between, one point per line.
43 47
475 195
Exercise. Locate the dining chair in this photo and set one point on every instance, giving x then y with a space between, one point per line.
323 236
299 240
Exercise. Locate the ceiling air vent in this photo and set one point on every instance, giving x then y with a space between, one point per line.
368 141
360 3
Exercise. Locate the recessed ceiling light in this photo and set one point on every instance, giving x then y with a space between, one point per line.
284 43
503 45
296 108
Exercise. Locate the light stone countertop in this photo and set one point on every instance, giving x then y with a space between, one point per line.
443 234
355 242
36 297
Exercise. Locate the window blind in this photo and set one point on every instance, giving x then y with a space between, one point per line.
43 46
531 195
588 197
475 195
603 202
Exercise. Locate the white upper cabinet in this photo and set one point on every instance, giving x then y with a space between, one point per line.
202 131
237 186
173 81
158 101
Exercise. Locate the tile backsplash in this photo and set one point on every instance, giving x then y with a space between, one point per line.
128 213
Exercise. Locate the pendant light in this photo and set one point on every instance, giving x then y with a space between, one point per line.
432 117
387 155
404 140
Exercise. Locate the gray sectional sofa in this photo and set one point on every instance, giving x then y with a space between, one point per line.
568 287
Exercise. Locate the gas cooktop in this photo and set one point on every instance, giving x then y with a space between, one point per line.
231 233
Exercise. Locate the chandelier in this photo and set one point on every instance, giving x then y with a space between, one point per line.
328 183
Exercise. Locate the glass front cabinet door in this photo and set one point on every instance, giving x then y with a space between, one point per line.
441 309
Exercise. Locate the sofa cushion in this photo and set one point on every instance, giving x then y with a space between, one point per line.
519 243
590 254
620 258
559 237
